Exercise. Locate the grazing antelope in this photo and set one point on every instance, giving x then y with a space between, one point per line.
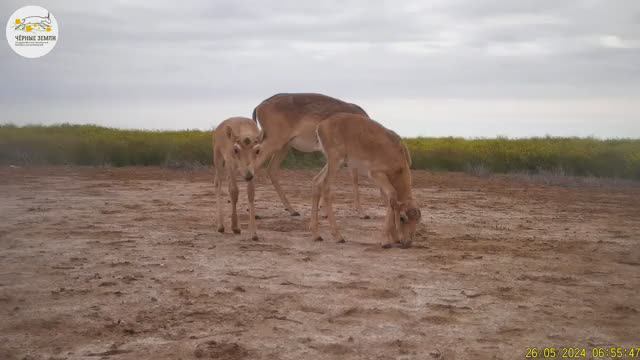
290 120
369 147
236 144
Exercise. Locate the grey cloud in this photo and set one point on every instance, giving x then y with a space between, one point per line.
118 52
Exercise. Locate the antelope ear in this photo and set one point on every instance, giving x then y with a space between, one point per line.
414 213
247 141
229 132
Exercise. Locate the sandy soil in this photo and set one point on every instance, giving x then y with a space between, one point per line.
126 264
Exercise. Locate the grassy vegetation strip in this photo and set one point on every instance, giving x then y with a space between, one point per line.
94 145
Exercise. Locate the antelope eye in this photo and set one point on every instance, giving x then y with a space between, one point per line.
257 151
236 150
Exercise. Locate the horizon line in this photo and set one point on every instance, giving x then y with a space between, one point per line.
496 137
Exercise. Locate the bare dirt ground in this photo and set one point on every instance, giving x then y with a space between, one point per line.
126 264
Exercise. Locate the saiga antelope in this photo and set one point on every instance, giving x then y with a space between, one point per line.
368 147
236 144
290 120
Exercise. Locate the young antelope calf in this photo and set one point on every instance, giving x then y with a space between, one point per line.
369 147
236 144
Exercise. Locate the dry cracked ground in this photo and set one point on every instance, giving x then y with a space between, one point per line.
102 263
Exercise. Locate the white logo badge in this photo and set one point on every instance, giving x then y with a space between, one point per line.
32 31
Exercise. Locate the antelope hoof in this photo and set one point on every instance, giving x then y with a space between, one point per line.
257 217
254 238
318 238
387 246
221 229
236 231
341 241
405 245
295 213
366 217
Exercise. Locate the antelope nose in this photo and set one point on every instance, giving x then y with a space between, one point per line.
248 176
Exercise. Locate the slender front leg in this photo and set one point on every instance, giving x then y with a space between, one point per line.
383 198
356 195
233 193
315 201
389 232
252 211
272 171
326 193
392 220
218 163
322 205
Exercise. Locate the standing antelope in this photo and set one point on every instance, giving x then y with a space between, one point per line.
236 144
369 147
290 120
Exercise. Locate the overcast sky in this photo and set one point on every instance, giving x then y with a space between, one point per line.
473 68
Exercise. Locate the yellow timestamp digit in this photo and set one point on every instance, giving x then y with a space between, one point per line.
532 353
574 353
598 352
549 353
616 352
